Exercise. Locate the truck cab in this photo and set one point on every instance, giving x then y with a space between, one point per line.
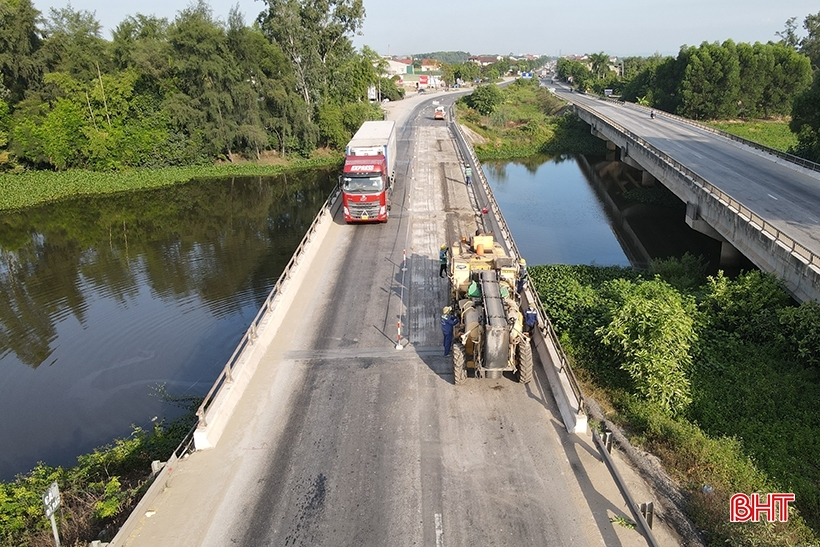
366 189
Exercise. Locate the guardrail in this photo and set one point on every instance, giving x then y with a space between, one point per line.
710 191
226 375
548 328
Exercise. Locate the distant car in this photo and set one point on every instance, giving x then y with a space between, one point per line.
421 90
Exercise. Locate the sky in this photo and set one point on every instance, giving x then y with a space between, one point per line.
546 27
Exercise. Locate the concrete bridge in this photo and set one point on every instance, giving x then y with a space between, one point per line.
757 202
320 431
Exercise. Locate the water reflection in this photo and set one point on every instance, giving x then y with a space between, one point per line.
595 210
553 212
108 297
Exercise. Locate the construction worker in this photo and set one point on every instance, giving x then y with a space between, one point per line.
521 284
448 322
530 320
442 260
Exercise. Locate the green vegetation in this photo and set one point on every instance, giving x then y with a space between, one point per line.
522 120
96 495
772 133
191 91
35 187
448 57
733 402
469 71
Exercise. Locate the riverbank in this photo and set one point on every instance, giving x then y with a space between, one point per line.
706 374
528 120
97 494
29 188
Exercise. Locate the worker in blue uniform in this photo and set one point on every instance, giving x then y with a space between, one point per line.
448 322
530 320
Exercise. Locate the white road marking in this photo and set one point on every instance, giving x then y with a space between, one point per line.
439 531
771 196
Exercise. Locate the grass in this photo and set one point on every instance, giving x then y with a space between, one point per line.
772 133
30 188
527 123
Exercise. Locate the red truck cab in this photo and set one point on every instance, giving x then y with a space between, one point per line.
365 189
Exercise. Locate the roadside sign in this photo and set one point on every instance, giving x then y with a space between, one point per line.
51 499
607 92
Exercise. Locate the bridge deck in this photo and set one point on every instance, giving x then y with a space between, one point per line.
343 440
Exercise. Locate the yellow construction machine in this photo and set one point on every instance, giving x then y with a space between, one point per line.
489 338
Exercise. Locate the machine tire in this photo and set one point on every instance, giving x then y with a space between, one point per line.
525 361
459 363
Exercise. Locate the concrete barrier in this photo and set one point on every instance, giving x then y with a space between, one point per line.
229 393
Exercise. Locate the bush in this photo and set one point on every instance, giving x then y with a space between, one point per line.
651 331
485 98
753 424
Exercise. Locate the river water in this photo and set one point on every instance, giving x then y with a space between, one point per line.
113 301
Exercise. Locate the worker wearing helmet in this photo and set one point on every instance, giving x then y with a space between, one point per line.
521 284
448 322
442 260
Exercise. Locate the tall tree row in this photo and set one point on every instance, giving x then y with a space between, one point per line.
191 90
723 81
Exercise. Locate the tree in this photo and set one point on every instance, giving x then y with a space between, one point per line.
206 74
142 41
651 329
810 45
315 37
806 121
485 98
468 71
20 40
448 74
74 44
711 82
599 64
788 36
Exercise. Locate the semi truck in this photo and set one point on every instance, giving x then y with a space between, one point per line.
368 173
490 338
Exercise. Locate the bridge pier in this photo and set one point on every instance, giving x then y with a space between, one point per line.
730 256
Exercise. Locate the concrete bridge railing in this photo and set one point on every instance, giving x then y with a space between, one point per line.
218 405
766 245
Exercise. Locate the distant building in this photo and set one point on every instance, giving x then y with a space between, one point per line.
398 66
485 60
428 65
